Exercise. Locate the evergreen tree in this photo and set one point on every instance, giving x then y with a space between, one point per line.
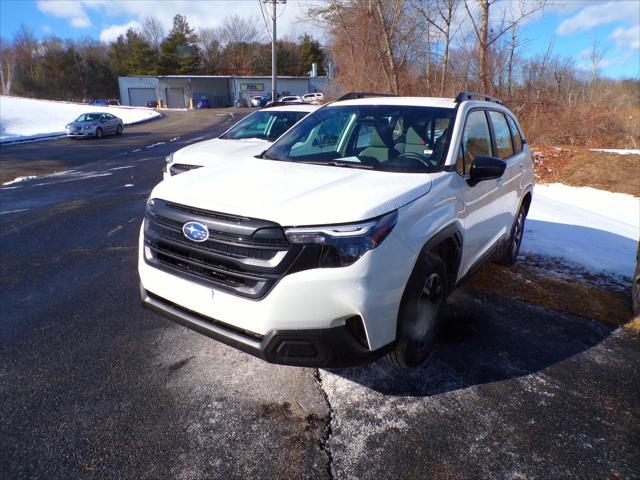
142 58
132 55
179 53
311 52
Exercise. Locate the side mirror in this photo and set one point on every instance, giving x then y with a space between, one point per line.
485 168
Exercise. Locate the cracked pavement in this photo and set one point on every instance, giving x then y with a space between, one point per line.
93 386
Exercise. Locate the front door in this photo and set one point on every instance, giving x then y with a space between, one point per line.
482 210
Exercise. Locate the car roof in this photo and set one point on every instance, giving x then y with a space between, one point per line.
294 108
401 101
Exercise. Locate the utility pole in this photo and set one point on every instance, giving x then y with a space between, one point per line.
274 51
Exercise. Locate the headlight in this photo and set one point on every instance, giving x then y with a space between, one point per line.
341 245
169 158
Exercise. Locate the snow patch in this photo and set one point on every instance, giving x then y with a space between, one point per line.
19 179
618 151
595 229
31 119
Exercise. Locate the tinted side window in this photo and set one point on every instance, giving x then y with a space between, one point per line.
502 133
517 138
476 138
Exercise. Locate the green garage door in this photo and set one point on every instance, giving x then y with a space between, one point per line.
175 97
138 97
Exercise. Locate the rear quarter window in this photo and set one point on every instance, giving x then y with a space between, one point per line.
517 137
502 133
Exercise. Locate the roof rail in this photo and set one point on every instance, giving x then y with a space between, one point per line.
354 95
462 96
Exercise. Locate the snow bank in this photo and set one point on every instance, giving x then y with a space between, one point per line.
592 228
619 151
26 118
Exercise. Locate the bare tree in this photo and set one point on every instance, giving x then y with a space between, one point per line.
389 17
596 54
7 66
236 29
153 32
210 49
441 14
482 31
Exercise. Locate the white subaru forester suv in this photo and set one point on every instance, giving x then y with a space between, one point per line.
340 243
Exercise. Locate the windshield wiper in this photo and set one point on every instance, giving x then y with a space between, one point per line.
337 163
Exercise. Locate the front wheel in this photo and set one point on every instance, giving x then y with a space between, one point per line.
420 312
99 133
119 130
509 254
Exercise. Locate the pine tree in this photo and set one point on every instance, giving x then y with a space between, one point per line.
179 53
311 52
142 58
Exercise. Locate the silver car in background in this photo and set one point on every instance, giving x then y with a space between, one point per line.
95 124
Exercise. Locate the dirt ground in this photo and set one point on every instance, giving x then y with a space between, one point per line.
581 167
563 293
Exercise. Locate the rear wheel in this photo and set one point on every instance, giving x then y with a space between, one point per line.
509 254
99 133
119 130
420 312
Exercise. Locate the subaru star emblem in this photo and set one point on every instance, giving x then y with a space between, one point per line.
195 231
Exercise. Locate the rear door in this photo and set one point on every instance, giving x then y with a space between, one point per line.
482 212
504 150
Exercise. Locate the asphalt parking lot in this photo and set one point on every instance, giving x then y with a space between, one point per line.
93 386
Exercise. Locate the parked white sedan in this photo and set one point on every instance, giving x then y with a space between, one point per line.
251 136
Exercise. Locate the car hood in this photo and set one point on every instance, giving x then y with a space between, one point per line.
82 124
293 194
212 152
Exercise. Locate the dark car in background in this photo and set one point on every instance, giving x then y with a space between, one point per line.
203 103
99 102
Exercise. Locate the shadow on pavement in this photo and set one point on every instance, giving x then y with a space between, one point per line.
485 338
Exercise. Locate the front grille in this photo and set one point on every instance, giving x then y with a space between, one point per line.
178 168
242 255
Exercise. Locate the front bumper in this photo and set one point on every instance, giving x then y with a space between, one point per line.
83 133
312 306
335 347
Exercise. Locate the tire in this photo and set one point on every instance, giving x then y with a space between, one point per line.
99 133
420 312
509 253
119 130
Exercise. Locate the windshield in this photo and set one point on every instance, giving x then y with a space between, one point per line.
376 137
265 124
88 117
